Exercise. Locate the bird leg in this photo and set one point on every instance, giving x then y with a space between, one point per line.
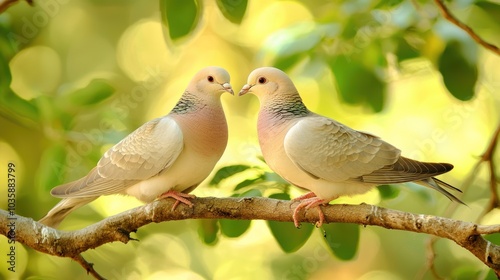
302 197
308 201
179 197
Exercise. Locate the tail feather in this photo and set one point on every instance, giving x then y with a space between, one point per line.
436 184
55 216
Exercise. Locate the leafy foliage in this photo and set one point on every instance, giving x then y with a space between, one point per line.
96 91
342 239
459 75
180 17
388 191
235 228
11 105
233 10
491 9
226 172
356 46
357 84
48 175
288 237
208 231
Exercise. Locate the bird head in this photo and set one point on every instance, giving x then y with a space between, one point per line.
212 80
268 82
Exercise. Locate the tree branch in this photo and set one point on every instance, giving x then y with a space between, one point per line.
5 4
487 156
118 227
451 18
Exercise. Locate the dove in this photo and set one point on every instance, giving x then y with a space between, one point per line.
321 155
165 157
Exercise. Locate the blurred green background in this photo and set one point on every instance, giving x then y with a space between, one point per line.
78 76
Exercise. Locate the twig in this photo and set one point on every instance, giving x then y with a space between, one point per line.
5 4
446 14
117 228
431 257
89 267
487 156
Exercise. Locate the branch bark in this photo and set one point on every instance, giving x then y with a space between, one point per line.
451 18
118 228
5 4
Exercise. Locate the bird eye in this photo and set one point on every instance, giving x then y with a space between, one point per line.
262 80
210 79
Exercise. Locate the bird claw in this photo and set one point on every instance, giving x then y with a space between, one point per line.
308 201
179 197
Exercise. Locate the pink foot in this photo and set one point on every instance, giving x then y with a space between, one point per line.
308 201
179 197
302 197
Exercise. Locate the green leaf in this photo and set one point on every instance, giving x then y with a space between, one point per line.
7 47
459 75
288 46
424 193
466 272
404 49
47 111
350 28
235 228
342 239
180 17
12 106
357 84
286 62
5 76
96 91
491 275
248 182
289 238
17 109
388 191
387 4
52 165
208 230
249 193
356 21
492 9
233 10
273 177
6 53
226 172
493 238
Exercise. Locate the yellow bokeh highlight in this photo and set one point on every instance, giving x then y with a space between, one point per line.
14 258
142 52
35 71
268 17
110 205
9 155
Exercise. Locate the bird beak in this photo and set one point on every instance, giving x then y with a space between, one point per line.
227 87
245 89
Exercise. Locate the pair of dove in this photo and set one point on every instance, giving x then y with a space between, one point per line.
171 155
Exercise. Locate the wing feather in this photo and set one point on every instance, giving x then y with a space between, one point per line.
331 151
406 170
141 155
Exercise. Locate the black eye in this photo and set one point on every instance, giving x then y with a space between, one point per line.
210 79
262 80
